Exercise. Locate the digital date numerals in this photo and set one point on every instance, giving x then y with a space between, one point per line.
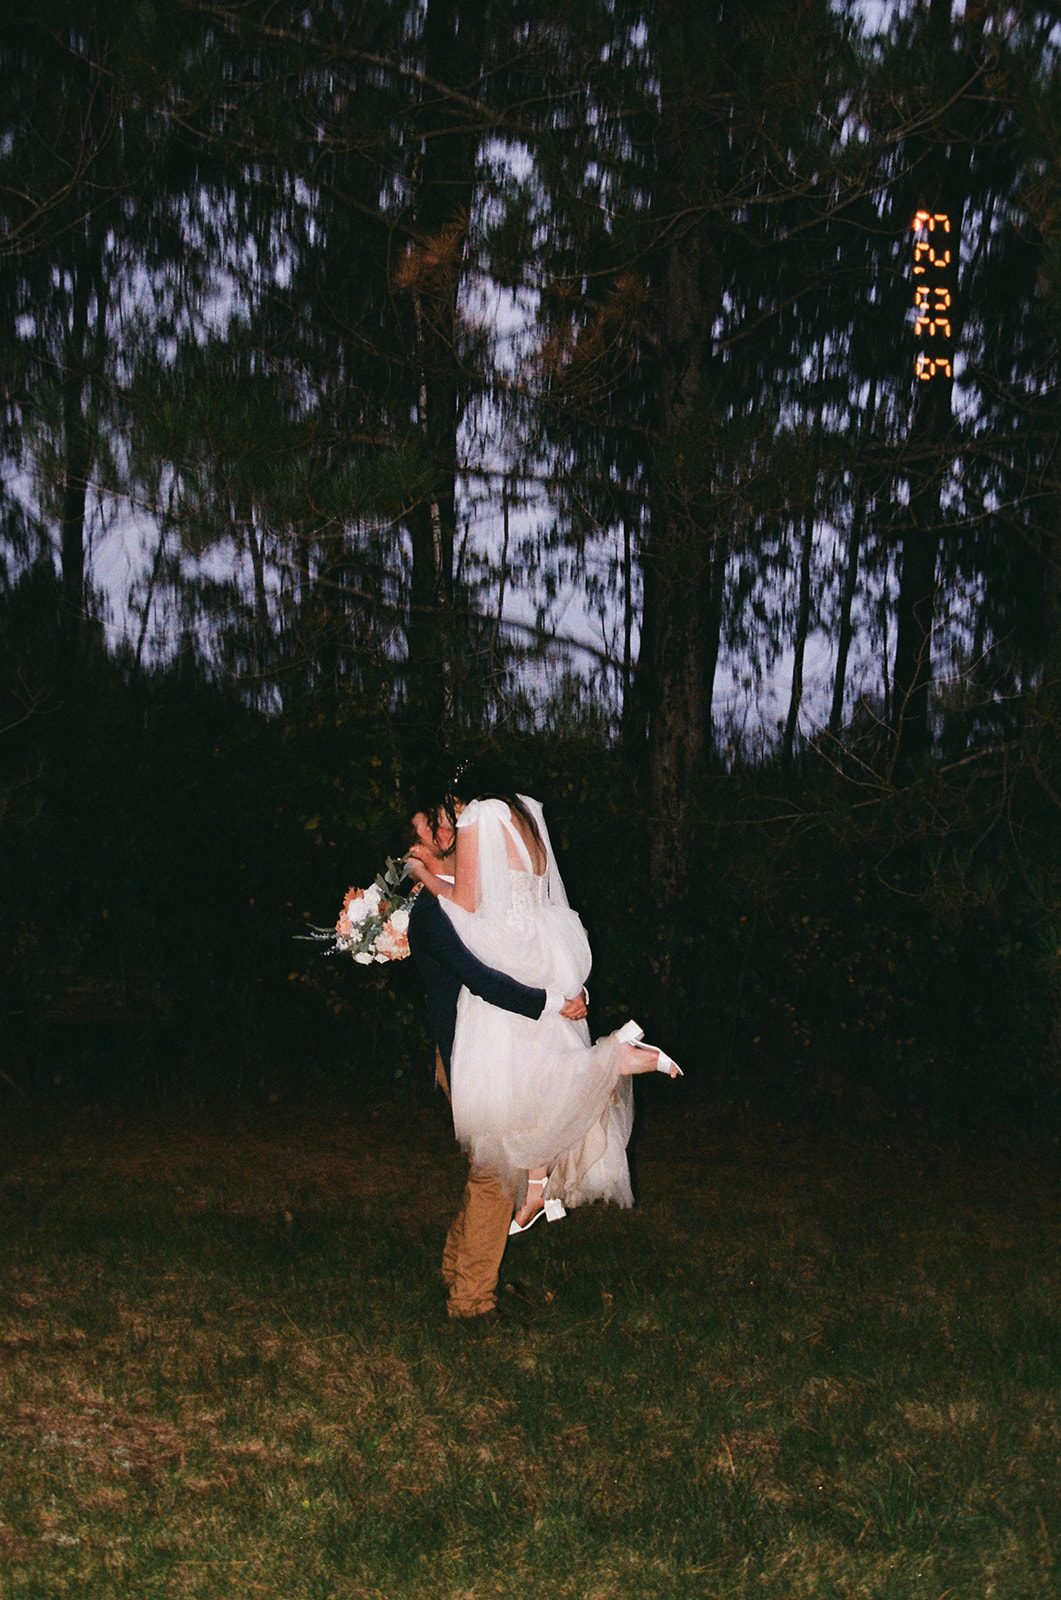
934 272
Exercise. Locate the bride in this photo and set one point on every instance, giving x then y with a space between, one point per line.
533 1100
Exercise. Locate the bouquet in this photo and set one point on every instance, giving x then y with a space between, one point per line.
373 923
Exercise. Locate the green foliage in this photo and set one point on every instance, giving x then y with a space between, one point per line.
837 950
150 902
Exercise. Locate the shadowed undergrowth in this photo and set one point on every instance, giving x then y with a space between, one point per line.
789 1371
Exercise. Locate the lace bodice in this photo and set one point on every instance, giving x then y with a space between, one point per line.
528 891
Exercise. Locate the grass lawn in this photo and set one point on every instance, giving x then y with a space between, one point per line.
798 1367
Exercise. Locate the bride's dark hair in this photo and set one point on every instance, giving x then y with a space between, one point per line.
486 778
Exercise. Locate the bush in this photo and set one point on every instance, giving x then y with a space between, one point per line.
861 955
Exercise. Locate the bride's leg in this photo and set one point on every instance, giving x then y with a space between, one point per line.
644 1058
534 1200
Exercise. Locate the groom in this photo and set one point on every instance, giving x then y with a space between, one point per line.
475 1243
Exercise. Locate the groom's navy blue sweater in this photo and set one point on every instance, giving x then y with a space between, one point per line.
447 965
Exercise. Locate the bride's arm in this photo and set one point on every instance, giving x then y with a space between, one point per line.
426 867
419 866
467 868
420 872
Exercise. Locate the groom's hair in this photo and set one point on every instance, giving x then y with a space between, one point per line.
436 819
431 795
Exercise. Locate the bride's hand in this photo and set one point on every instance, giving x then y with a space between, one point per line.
420 865
415 868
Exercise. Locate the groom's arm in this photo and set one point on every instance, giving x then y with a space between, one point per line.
434 933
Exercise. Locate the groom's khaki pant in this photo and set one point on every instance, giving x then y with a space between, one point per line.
475 1243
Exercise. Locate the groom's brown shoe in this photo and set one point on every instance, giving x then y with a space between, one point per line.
481 1321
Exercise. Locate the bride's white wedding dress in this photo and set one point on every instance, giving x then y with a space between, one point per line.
534 1093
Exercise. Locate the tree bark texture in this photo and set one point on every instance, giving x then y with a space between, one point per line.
445 194
684 560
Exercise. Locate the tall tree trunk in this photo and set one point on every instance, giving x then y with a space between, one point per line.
850 585
452 53
916 602
78 447
262 627
795 699
844 629
942 198
682 562
628 620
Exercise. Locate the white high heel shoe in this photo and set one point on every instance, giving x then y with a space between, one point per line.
632 1033
552 1211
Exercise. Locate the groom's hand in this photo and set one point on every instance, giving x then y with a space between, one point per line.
574 1010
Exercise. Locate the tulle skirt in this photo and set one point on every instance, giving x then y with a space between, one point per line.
537 1093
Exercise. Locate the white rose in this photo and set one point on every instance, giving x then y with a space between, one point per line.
364 958
367 906
400 921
